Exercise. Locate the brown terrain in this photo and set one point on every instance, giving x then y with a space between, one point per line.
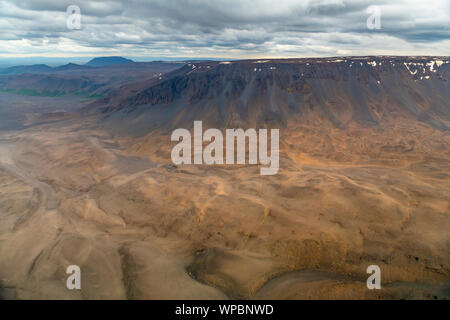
364 179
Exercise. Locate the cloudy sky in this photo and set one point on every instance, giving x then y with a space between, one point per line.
223 28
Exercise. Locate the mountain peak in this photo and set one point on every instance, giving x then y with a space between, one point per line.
107 61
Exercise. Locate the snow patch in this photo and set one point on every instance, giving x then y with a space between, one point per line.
439 63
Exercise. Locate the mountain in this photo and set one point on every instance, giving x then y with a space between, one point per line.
71 66
108 61
36 68
368 91
41 69
73 78
363 179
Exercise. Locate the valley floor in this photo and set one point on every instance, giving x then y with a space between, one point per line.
142 228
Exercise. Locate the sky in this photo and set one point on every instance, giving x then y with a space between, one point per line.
230 29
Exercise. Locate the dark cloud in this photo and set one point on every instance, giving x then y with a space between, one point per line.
226 28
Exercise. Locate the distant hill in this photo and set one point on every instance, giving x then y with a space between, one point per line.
71 66
36 68
81 79
107 61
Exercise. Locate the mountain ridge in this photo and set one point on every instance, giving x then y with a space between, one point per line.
254 93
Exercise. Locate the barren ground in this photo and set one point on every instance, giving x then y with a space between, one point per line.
141 228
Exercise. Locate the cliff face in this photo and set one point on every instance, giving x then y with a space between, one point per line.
366 90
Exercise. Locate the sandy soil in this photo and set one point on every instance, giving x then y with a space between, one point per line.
142 228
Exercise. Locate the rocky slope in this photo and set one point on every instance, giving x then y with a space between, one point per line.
366 90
